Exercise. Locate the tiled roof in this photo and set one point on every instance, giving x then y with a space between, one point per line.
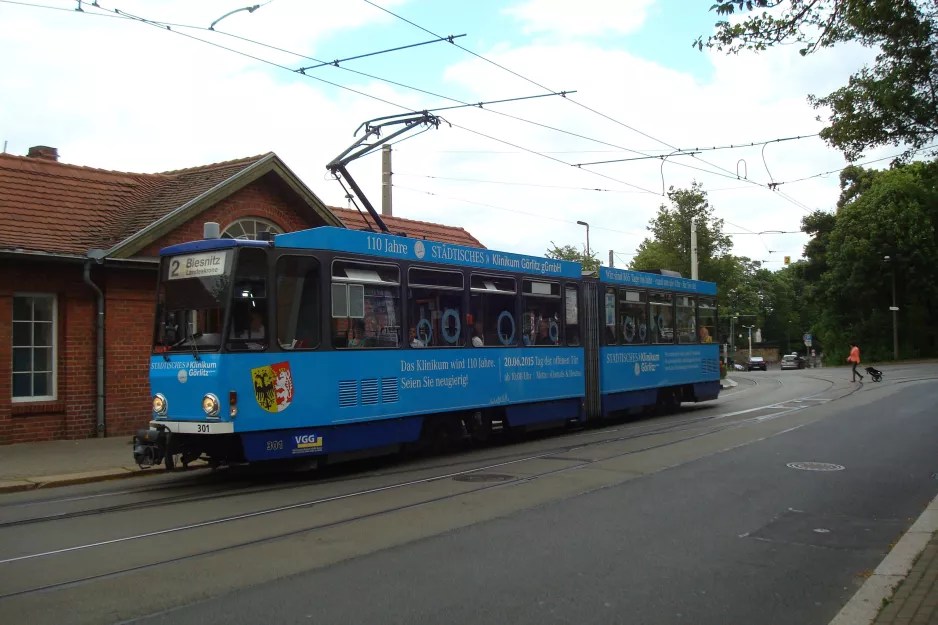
58 208
410 227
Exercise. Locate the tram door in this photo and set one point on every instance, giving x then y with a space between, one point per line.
589 311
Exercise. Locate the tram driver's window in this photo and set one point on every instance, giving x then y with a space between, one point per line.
707 313
662 317
249 326
572 313
434 300
366 305
542 307
492 311
686 307
633 317
298 302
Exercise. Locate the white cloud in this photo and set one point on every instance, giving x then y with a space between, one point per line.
586 17
119 95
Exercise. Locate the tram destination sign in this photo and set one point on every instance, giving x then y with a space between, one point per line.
196 265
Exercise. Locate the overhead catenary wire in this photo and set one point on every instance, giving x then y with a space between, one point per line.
616 121
859 164
689 151
167 25
467 105
337 85
514 210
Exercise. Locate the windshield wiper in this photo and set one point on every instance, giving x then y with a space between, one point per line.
189 337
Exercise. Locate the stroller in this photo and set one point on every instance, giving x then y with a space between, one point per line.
876 374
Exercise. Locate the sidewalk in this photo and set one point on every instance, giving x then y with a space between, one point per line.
57 463
916 600
903 590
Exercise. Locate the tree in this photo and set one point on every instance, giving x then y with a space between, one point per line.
894 102
894 213
571 253
669 245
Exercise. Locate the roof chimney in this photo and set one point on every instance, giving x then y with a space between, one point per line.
43 152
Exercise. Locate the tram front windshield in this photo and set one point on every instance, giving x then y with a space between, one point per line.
194 289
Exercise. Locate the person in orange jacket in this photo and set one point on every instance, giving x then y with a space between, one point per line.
854 357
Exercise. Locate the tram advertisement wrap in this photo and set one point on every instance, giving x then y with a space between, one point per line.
635 368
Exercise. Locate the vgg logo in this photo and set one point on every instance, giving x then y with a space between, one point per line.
307 440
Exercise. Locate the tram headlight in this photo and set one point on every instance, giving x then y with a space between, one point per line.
160 406
210 405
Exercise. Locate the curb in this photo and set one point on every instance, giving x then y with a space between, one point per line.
863 608
71 479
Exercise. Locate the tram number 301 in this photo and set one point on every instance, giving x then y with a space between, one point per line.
274 445
203 428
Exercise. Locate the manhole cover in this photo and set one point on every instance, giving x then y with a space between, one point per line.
483 477
815 466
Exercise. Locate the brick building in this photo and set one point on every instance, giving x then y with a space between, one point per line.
78 240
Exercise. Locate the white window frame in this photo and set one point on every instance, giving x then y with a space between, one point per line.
55 350
271 227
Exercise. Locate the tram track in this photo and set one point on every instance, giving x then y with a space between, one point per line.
652 430
710 429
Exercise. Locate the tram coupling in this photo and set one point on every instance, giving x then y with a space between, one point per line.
150 447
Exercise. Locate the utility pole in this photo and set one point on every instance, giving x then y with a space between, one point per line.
895 311
612 261
693 248
386 179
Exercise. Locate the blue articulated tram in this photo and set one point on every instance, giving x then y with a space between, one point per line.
329 344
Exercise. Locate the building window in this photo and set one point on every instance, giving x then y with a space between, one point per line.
34 339
250 228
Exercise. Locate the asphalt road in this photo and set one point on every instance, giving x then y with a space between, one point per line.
695 518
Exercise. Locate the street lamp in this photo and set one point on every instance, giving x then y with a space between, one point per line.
583 223
894 309
750 338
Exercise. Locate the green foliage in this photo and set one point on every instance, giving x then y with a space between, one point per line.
895 215
893 102
841 290
571 253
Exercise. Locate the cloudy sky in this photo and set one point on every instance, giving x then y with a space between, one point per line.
118 94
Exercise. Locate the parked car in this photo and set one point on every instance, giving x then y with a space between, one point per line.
792 361
739 367
756 362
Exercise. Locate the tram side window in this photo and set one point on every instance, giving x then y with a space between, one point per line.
298 302
366 305
610 316
662 317
492 310
543 305
686 319
708 315
633 315
249 325
572 311
434 300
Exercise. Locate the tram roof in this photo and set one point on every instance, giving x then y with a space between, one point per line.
644 280
417 250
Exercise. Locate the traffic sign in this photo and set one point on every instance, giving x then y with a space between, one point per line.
806 337
788 260
894 308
